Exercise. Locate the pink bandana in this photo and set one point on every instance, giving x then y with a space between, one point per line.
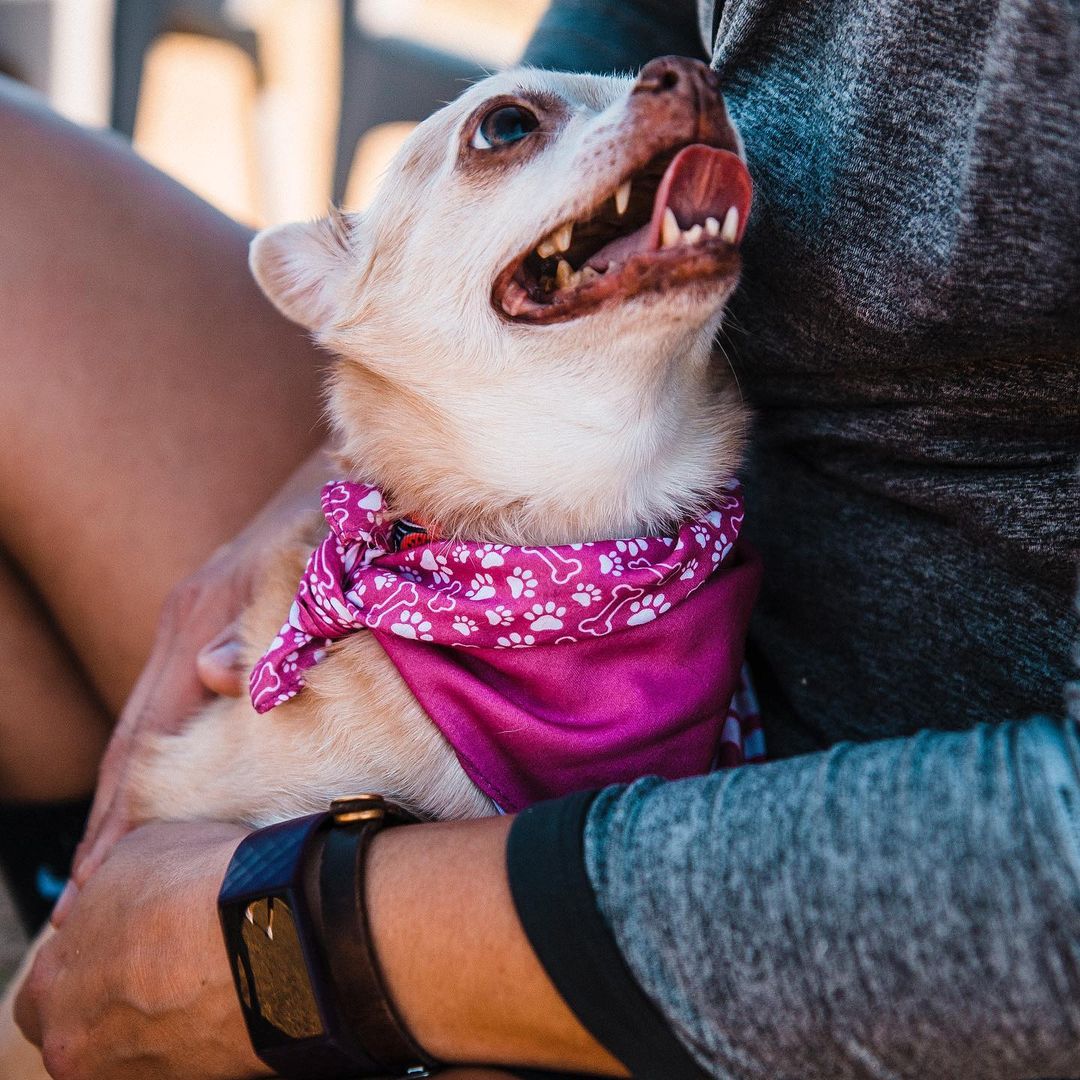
481 635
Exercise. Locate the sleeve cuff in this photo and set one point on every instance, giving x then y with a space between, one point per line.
557 908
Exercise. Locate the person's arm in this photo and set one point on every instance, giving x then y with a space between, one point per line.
904 908
908 908
602 36
136 982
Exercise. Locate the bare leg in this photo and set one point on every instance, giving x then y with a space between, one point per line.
151 402
52 728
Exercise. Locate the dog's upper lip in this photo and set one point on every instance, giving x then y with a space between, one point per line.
690 205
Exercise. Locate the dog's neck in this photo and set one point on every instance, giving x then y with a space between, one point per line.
566 455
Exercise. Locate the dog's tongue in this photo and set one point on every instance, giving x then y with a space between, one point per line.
701 182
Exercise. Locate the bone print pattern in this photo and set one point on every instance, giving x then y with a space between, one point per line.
481 596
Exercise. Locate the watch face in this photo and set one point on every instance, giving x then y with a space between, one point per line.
271 974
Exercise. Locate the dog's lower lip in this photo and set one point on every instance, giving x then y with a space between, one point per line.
645 272
691 232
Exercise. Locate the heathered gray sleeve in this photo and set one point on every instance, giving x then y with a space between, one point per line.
905 908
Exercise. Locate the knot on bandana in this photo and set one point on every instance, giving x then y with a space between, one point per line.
467 595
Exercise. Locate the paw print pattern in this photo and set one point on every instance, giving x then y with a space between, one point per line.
646 609
499 616
482 587
436 565
545 617
476 594
690 570
492 555
412 625
586 594
522 583
612 564
721 549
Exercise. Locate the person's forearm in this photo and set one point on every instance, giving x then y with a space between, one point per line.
602 36
455 958
908 908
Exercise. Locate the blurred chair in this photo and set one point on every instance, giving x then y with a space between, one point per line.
138 23
387 78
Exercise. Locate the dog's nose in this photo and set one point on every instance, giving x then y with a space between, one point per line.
675 74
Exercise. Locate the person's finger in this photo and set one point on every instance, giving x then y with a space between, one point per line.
27 1008
220 664
63 906
164 697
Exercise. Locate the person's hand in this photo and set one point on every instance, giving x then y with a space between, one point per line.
196 654
136 984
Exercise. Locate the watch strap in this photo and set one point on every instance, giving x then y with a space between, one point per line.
362 994
271 863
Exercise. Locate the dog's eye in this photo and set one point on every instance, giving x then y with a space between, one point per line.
504 125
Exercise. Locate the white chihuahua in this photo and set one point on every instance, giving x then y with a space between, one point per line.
524 321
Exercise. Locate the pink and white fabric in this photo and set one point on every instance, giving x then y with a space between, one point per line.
548 669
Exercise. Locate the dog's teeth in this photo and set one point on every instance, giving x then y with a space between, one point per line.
730 231
546 248
587 274
712 226
670 233
622 197
564 275
563 235
693 235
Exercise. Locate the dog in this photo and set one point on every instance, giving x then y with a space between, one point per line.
523 322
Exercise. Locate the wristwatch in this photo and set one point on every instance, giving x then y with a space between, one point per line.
295 923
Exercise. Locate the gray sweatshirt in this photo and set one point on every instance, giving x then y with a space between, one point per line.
908 331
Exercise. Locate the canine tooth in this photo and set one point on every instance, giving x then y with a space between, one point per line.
546 248
712 226
730 231
693 235
563 235
670 233
564 275
622 197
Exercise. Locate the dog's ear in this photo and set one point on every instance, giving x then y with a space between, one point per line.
305 268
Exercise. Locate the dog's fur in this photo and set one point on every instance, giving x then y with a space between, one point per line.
612 424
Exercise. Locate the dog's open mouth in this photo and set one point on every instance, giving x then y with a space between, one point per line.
678 219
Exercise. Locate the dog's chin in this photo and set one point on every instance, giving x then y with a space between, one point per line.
671 228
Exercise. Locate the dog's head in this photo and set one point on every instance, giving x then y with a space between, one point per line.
524 315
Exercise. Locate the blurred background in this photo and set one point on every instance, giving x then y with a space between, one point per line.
269 109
